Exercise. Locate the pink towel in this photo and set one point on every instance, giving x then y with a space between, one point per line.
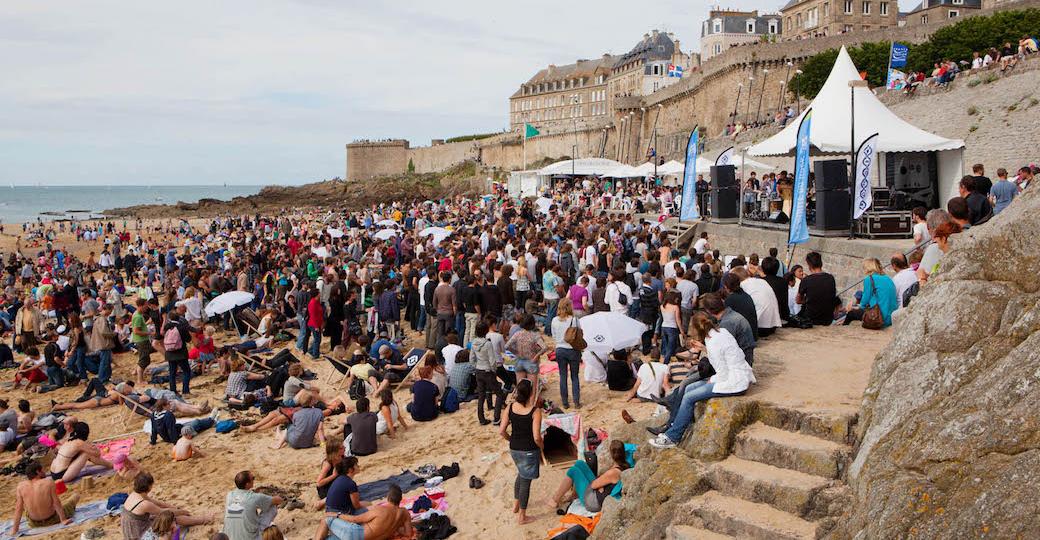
116 451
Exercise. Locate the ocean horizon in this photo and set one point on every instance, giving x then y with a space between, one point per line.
19 204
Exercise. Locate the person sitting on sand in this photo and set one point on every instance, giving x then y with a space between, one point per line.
31 370
593 489
381 521
164 527
328 474
247 513
164 425
237 387
185 448
26 417
37 498
140 509
72 456
423 407
343 495
389 415
304 426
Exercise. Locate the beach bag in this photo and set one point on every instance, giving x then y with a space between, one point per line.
872 317
450 403
226 426
357 389
115 501
575 337
172 339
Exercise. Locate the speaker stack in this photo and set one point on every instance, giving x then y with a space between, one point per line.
725 194
833 202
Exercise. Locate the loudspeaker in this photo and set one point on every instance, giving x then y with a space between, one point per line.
832 210
724 203
724 176
831 174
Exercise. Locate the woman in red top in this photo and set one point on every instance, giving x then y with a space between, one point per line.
315 322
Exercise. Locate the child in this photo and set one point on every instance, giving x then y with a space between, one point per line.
333 455
206 346
26 417
31 370
185 449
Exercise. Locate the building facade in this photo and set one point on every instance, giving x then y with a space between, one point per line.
804 19
931 11
650 66
726 28
558 97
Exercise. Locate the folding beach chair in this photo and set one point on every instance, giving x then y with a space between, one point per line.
254 360
135 406
246 319
411 359
338 367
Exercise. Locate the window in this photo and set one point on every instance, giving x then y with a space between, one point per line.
826 9
958 2
813 18
716 26
798 20
772 26
718 48
848 7
789 27
924 19
883 8
954 13
846 29
866 8
749 26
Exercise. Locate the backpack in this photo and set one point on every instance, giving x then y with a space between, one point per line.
450 403
649 305
172 339
357 389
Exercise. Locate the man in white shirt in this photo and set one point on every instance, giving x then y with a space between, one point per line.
903 278
702 245
618 295
689 292
766 307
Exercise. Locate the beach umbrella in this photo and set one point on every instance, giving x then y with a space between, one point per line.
386 223
543 204
607 331
386 234
334 232
434 231
228 301
321 252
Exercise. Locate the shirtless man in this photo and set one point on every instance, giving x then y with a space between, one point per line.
379 522
38 499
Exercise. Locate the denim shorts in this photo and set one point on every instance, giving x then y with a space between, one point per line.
345 530
527 366
528 463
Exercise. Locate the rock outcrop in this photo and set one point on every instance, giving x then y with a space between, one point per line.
949 435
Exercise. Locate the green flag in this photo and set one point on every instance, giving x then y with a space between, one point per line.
530 131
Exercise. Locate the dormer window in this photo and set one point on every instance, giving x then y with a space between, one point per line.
716 26
749 26
772 26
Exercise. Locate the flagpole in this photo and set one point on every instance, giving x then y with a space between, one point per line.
888 73
525 148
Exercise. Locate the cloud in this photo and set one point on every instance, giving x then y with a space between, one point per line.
270 91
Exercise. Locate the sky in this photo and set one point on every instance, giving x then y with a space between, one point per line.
269 92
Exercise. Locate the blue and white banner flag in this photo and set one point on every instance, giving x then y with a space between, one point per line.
799 225
688 210
725 158
899 55
866 164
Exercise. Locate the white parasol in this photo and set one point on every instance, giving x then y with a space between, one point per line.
321 252
386 234
334 232
386 223
228 301
607 331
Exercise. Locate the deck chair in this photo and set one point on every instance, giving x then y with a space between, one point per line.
135 406
411 360
338 367
254 360
248 320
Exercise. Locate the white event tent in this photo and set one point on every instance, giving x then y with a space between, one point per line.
901 145
579 167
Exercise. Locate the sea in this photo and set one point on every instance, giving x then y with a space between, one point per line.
19 204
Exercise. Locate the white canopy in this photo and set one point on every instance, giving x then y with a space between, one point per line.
645 169
671 168
704 166
579 167
831 121
622 171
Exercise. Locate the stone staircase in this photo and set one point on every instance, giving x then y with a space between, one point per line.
782 480
681 232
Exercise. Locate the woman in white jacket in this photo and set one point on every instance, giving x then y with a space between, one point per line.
732 376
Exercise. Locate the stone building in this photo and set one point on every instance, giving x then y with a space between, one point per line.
805 19
561 96
648 67
727 28
930 11
369 159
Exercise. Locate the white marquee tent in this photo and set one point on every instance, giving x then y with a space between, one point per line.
579 167
831 127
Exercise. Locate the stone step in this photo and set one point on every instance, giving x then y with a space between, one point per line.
745 519
689 532
784 489
834 427
789 450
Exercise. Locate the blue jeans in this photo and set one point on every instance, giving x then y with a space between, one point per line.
460 324
77 363
304 335
202 424
316 344
422 317
695 392
669 342
104 365
185 368
569 360
55 377
550 312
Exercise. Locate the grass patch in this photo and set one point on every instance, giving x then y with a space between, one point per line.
973 129
972 83
972 111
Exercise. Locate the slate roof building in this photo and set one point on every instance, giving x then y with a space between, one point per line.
728 28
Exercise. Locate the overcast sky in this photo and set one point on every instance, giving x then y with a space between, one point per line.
259 92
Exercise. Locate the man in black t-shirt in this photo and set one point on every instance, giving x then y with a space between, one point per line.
982 183
740 301
818 292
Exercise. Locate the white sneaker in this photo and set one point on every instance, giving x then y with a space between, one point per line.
662 441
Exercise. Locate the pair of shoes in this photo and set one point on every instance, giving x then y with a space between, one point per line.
627 417
662 441
484 422
497 422
566 405
657 430
475 483
577 404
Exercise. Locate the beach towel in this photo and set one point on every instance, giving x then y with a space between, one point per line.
116 451
84 513
439 505
569 423
372 491
548 367
570 520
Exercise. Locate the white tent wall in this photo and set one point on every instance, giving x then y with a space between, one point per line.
951 169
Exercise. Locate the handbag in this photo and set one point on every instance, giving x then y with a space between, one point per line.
575 337
872 318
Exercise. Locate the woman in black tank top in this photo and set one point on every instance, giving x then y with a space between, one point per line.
525 445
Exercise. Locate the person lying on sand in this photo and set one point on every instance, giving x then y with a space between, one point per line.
97 396
37 498
380 522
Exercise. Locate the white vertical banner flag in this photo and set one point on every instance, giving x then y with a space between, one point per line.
866 164
725 158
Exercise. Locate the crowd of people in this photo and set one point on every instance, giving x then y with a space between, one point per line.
486 289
